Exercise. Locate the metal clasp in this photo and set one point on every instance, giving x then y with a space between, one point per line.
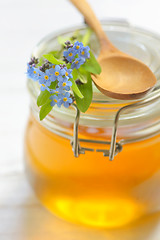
75 143
115 148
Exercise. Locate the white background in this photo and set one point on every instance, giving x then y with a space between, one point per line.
22 24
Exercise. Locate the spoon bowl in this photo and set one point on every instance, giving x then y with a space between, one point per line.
122 76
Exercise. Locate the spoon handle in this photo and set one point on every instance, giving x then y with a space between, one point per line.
94 23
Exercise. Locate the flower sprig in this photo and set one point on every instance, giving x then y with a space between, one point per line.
63 81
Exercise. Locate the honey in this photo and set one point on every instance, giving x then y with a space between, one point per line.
91 189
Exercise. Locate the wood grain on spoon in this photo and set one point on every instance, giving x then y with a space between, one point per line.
122 76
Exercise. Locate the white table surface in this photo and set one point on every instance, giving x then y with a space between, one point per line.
22 24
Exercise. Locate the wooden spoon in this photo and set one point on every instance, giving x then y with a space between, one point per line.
122 76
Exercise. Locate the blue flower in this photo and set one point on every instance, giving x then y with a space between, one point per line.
32 72
65 84
52 67
84 52
69 54
77 46
65 99
58 91
77 63
56 100
44 87
57 72
68 72
45 77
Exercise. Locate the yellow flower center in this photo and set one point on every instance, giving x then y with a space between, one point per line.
56 73
46 77
82 52
55 100
53 66
70 54
43 85
65 99
77 47
34 72
66 73
76 62
64 84
56 92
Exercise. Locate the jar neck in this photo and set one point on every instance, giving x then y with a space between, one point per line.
134 121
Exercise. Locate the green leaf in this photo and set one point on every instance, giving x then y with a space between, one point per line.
40 62
91 65
56 53
45 109
75 74
77 36
43 97
76 89
68 65
82 75
86 37
53 85
52 59
61 40
86 89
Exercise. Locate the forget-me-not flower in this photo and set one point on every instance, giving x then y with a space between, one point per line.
69 54
55 100
65 84
57 72
65 99
68 72
58 91
45 78
77 46
32 72
84 52
44 87
77 63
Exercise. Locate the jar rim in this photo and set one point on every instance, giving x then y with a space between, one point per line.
99 97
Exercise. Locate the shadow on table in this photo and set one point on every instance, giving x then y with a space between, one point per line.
38 224
22 217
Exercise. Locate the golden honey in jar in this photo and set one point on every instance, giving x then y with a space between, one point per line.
90 189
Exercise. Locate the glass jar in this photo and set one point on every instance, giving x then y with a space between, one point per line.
66 155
